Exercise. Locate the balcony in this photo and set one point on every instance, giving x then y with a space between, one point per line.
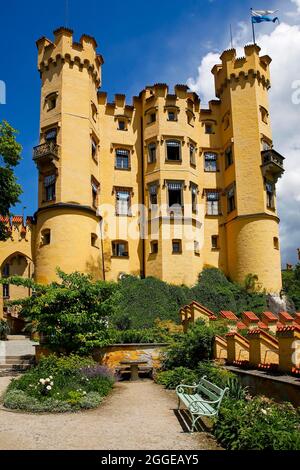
272 164
46 152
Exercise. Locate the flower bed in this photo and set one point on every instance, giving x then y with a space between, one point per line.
60 384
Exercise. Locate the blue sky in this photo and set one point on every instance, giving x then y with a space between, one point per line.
142 43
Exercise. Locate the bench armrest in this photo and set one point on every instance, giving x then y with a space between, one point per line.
180 388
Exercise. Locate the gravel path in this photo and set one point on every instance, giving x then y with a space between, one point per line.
137 415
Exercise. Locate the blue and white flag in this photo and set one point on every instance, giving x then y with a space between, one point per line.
258 16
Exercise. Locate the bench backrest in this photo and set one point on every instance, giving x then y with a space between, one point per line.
212 391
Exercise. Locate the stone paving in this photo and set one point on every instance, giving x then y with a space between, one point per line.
137 415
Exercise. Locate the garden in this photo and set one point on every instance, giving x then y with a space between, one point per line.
74 316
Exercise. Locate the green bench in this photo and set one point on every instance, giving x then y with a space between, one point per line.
203 399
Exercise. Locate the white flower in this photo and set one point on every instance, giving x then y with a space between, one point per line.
42 381
47 380
84 393
50 377
48 387
264 412
51 383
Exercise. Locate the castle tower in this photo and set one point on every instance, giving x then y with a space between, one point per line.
67 227
252 168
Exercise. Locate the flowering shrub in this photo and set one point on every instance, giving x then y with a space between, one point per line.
257 424
60 384
46 385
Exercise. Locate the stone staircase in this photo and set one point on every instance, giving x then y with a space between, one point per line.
17 354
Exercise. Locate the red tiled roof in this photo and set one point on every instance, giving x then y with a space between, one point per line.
285 316
4 219
228 315
269 316
297 318
241 326
250 316
202 307
263 325
17 219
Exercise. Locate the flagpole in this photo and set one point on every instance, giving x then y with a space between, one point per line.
253 30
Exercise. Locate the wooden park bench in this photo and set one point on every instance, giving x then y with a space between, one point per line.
203 399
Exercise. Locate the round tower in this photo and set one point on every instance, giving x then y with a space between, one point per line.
67 226
252 168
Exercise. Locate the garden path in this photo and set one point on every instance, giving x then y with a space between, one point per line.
137 415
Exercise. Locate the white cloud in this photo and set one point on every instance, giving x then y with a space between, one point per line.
297 3
283 45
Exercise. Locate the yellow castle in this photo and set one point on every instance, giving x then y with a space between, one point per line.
160 187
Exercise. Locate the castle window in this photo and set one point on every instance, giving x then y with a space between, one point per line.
120 249
50 101
123 202
196 247
5 291
192 155
152 153
194 192
175 196
209 128
230 200
152 118
228 157
212 203
172 116
270 192
122 125
173 150
45 237
49 187
176 246
276 243
154 247
94 111
51 135
153 194
95 191
215 242
122 159
264 114
210 162
94 149
94 239
266 145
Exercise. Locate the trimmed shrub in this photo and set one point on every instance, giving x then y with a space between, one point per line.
171 378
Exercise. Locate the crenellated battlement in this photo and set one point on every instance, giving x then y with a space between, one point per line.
234 69
64 50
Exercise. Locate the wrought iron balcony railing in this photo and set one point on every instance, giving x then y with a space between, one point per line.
46 151
272 163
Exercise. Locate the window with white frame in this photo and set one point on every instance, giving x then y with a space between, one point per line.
212 203
122 202
210 161
122 159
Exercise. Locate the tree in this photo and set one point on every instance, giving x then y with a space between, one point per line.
71 315
291 285
10 156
